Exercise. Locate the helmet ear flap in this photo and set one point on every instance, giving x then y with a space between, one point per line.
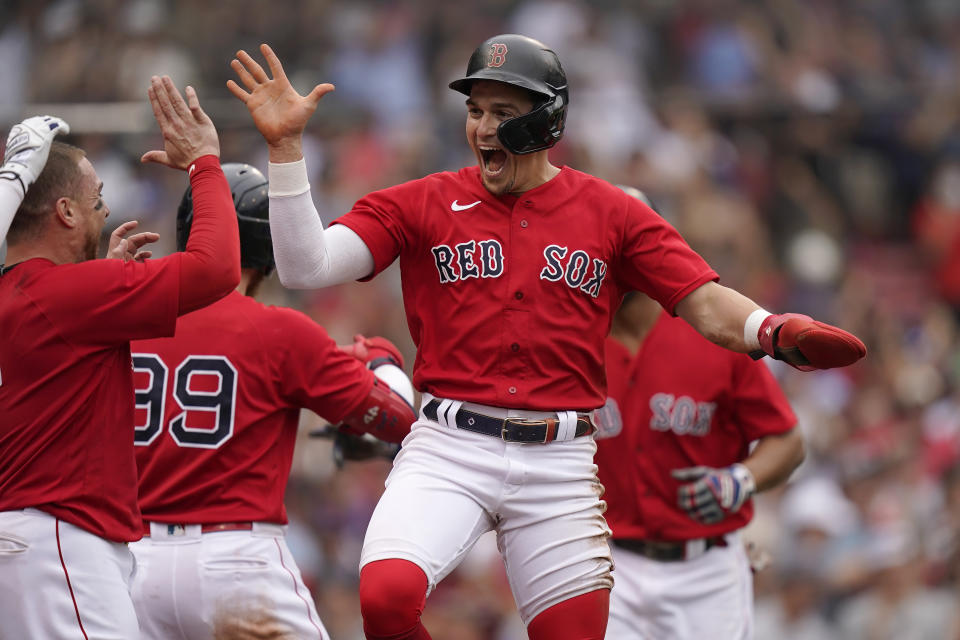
528 64
537 130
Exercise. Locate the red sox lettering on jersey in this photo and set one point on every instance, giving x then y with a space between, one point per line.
484 259
693 403
533 280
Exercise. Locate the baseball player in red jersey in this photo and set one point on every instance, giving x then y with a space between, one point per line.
218 407
68 499
679 472
511 272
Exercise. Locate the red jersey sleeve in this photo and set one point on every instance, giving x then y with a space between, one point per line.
759 404
657 260
379 220
312 371
108 302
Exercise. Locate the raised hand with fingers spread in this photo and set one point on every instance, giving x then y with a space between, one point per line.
188 133
279 112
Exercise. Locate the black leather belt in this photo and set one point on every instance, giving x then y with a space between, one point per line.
665 551
511 429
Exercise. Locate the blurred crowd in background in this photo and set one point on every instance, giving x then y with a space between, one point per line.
809 149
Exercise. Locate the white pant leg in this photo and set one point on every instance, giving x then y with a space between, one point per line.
60 581
437 501
552 534
710 596
449 486
235 584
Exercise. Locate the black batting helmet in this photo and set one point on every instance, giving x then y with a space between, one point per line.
529 64
248 187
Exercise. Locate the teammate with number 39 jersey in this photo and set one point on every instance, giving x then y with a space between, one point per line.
218 408
217 412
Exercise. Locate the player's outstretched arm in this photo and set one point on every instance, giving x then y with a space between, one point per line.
307 255
730 319
210 266
25 155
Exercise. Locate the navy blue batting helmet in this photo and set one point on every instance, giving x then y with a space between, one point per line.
529 64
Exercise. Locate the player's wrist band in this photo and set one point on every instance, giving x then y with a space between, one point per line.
744 477
376 362
9 174
751 328
287 178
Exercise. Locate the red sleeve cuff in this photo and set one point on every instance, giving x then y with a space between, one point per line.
203 162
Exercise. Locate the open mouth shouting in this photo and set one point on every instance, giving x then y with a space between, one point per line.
493 161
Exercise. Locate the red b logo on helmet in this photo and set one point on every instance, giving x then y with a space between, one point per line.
498 54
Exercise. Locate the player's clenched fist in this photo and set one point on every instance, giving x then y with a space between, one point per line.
709 495
373 351
807 344
28 146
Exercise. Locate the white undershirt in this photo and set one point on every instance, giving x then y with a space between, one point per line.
307 255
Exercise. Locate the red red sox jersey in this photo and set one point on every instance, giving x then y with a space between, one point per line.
509 299
218 407
685 402
65 379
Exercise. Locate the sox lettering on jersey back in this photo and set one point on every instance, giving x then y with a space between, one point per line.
534 281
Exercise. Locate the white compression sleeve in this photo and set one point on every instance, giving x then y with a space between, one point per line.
10 199
307 255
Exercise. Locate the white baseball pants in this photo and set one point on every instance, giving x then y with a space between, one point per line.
710 596
60 581
449 486
225 584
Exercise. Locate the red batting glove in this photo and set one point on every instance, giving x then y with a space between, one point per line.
374 351
807 344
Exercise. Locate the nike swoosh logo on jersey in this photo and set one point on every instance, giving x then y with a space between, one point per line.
455 206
